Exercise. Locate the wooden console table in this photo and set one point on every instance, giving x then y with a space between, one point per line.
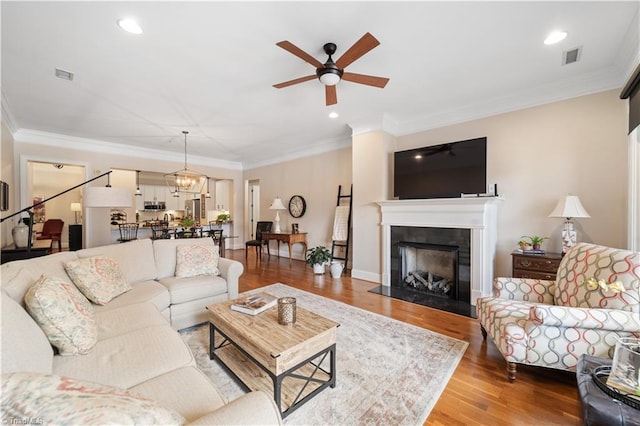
286 237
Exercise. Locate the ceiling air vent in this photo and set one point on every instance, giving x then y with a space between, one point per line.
66 75
571 56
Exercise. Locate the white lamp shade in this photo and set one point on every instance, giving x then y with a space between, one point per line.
106 196
569 206
277 204
76 207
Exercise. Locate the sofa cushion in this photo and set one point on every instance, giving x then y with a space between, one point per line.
24 345
505 321
124 319
194 260
64 314
585 261
135 258
128 359
62 400
99 278
193 288
186 390
144 291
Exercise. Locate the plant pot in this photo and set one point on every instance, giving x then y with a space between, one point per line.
536 246
318 268
336 269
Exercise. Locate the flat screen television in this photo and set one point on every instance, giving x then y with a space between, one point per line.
441 171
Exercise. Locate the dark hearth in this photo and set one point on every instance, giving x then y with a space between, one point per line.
431 267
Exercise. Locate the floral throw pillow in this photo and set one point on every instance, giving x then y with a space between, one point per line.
99 278
62 400
196 260
64 314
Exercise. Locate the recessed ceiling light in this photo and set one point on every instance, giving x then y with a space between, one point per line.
333 114
555 37
129 25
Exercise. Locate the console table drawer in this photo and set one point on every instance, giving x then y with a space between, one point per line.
522 273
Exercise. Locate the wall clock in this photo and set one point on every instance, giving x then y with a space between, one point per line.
297 206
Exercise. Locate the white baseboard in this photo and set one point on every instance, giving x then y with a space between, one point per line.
366 275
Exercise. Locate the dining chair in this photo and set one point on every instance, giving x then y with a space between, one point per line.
262 226
128 232
160 231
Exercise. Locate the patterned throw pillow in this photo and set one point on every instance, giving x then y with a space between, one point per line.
196 260
64 314
585 261
62 400
99 278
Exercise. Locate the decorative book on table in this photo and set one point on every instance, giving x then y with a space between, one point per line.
254 304
530 251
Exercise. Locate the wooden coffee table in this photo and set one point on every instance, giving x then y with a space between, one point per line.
293 362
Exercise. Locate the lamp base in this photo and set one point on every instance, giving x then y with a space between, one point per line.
277 222
569 237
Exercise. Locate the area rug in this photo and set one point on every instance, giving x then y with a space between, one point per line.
388 372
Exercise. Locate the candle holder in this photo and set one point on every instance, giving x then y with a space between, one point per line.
286 310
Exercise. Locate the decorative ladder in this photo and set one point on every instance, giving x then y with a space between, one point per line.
343 245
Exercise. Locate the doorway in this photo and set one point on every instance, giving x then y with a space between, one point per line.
46 180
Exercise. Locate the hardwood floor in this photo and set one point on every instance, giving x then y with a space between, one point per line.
479 392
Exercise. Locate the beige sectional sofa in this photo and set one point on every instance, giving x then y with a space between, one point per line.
137 358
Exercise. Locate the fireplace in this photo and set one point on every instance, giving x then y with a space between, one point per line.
428 268
465 226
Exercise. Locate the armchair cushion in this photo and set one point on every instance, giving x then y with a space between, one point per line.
587 261
602 319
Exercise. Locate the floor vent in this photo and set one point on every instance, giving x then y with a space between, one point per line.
571 56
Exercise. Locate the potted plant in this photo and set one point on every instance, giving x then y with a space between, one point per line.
524 245
318 257
535 240
223 218
187 222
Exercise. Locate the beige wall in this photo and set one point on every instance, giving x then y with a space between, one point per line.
536 156
371 183
6 161
316 178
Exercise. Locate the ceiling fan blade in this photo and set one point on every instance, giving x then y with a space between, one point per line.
359 48
369 80
292 48
296 81
331 95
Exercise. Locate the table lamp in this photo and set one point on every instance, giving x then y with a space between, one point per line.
75 208
569 207
277 206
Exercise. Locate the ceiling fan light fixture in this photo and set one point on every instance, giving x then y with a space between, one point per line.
329 76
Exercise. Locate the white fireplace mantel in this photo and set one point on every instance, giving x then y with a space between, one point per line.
478 214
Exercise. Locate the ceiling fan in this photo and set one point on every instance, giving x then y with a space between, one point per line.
330 73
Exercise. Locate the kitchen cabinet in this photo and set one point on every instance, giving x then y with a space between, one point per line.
222 195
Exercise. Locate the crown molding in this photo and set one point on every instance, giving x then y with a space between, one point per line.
319 147
37 137
557 91
7 117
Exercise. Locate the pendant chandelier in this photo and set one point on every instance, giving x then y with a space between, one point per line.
185 180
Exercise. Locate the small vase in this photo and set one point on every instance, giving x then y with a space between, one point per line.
336 269
318 268
20 234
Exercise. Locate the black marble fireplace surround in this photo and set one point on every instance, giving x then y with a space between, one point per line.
457 239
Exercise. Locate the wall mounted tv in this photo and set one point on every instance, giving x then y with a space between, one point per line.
441 171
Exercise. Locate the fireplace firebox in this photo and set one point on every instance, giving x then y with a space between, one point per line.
428 268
